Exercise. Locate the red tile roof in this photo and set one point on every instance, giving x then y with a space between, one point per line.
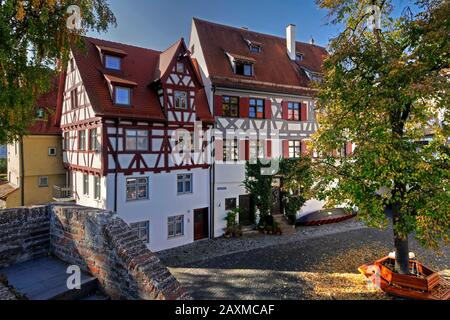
140 68
47 102
273 70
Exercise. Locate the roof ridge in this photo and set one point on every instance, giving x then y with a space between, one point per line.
257 32
124 44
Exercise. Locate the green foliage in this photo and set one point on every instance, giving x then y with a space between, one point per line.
233 228
297 180
385 90
3 166
33 37
260 187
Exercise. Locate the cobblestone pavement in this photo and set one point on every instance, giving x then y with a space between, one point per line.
317 263
207 249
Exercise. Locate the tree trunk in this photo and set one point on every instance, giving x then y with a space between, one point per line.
401 245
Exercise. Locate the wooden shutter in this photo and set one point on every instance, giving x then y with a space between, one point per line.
268 109
349 149
247 150
244 104
304 147
269 149
286 149
218 149
218 109
303 112
284 109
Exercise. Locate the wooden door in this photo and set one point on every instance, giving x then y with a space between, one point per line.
200 224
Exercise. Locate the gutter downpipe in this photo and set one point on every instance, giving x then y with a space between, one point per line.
117 159
22 173
212 175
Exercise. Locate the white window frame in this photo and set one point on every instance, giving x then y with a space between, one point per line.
97 188
52 152
296 147
94 138
182 65
142 230
177 95
82 140
43 185
112 58
230 150
183 178
135 135
119 88
138 182
172 222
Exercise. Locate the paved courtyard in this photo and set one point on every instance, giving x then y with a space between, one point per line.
314 263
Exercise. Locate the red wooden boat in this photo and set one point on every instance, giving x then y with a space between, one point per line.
423 283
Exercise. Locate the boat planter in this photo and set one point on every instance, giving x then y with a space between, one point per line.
426 279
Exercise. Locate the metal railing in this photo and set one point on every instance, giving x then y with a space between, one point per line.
63 193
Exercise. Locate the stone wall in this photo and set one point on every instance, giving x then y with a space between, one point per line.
97 241
24 234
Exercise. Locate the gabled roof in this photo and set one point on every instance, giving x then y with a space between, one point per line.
273 70
139 69
46 102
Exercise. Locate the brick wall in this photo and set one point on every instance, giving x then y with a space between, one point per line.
24 234
97 241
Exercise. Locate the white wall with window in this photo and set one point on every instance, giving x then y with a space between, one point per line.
90 190
156 197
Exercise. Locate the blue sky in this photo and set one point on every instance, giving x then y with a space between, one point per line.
157 24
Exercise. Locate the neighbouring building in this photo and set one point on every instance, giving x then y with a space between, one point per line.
34 162
121 107
261 85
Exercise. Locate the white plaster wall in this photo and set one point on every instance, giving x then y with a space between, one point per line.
89 200
163 202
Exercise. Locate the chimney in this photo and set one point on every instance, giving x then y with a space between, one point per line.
290 41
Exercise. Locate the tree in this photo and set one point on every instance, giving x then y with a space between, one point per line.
297 180
386 88
34 35
259 185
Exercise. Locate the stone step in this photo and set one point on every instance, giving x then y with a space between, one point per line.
46 279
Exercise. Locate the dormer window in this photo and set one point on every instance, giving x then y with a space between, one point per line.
180 98
244 68
299 57
180 67
40 113
255 48
112 62
122 96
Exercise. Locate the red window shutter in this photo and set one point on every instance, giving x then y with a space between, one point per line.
218 109
304 112
242 150
247 150
269 149
349 148
286 149
268 109
244 104
218 149
285 111
304 147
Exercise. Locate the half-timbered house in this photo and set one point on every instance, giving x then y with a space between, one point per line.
259 85
122 109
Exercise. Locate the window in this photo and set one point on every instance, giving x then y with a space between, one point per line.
295 149
230 204
82 140
40 114
180 99
43 182
299 57
71 65
97 188
230 106
175 226
294 111
256 109
256 149
122 96
180 67
142 230
184 183
66 140
85 184
137 189
93 140
230 150
255 48
244 68
112 62
74 98
136 140
52 152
